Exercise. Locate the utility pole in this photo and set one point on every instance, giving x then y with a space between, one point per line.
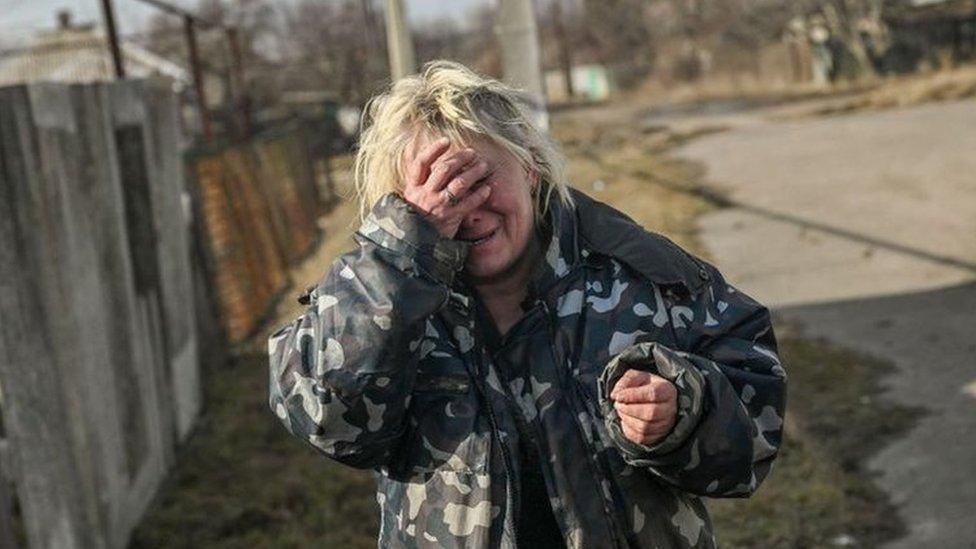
398 42
517 34
108 13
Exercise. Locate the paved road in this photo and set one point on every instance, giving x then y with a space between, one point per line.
863 229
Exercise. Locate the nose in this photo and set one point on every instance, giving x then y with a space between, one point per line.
473 219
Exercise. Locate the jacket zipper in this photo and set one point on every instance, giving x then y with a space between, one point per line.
605 467
513 492
517 413
602 474
479 382
525 427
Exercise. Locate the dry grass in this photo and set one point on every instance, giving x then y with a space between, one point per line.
906 91
617 166
842 97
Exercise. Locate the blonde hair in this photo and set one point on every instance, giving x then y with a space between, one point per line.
449 99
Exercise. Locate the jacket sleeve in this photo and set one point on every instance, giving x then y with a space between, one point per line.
731 395
341 375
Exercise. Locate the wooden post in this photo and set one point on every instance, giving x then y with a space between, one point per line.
243 101
194 54
113 38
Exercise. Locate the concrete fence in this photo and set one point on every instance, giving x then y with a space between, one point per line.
99 372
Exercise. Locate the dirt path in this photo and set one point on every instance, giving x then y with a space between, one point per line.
862 228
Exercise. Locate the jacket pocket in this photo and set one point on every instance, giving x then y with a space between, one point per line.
445 430
436 510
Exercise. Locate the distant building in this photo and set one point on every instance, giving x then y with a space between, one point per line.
590 83
924 26
80 53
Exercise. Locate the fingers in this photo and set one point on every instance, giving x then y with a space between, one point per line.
631 433
643 387
646 404
632 378
419 169
652 413
446 168
644 428
465 180
643 432
444 186
472 200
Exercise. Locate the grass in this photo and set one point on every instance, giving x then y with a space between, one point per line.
243 481
616 166
819 493
909 90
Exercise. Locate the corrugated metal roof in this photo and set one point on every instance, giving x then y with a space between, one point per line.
81 56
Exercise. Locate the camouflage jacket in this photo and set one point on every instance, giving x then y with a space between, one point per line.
387 370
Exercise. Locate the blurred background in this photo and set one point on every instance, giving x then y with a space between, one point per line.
174 173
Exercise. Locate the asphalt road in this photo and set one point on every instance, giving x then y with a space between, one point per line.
862 228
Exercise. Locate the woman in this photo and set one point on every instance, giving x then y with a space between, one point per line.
520 364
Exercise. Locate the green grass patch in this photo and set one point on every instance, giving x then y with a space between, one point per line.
243 481
818 493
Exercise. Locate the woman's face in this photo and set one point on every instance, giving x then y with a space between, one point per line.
500 230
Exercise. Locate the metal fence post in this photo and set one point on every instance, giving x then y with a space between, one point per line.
194 53
113 38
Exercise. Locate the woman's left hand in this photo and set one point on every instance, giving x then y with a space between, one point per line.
647 405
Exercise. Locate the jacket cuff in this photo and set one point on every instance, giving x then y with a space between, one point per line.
395 225
669 364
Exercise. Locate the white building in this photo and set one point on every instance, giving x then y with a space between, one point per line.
78 54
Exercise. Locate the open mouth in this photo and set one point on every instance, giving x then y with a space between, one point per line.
478 240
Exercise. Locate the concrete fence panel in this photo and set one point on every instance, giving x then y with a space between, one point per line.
99 368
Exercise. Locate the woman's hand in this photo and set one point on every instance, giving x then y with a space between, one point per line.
440 185
647 405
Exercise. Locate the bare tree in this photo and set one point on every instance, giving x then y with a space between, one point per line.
619 29
856 22
334 46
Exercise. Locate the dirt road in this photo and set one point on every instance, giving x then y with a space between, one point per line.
862 228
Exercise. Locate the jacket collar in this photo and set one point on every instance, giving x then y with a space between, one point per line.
591 226
561 251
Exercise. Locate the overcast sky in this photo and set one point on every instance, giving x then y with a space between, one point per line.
19 19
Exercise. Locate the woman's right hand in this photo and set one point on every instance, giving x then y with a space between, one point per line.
440 185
